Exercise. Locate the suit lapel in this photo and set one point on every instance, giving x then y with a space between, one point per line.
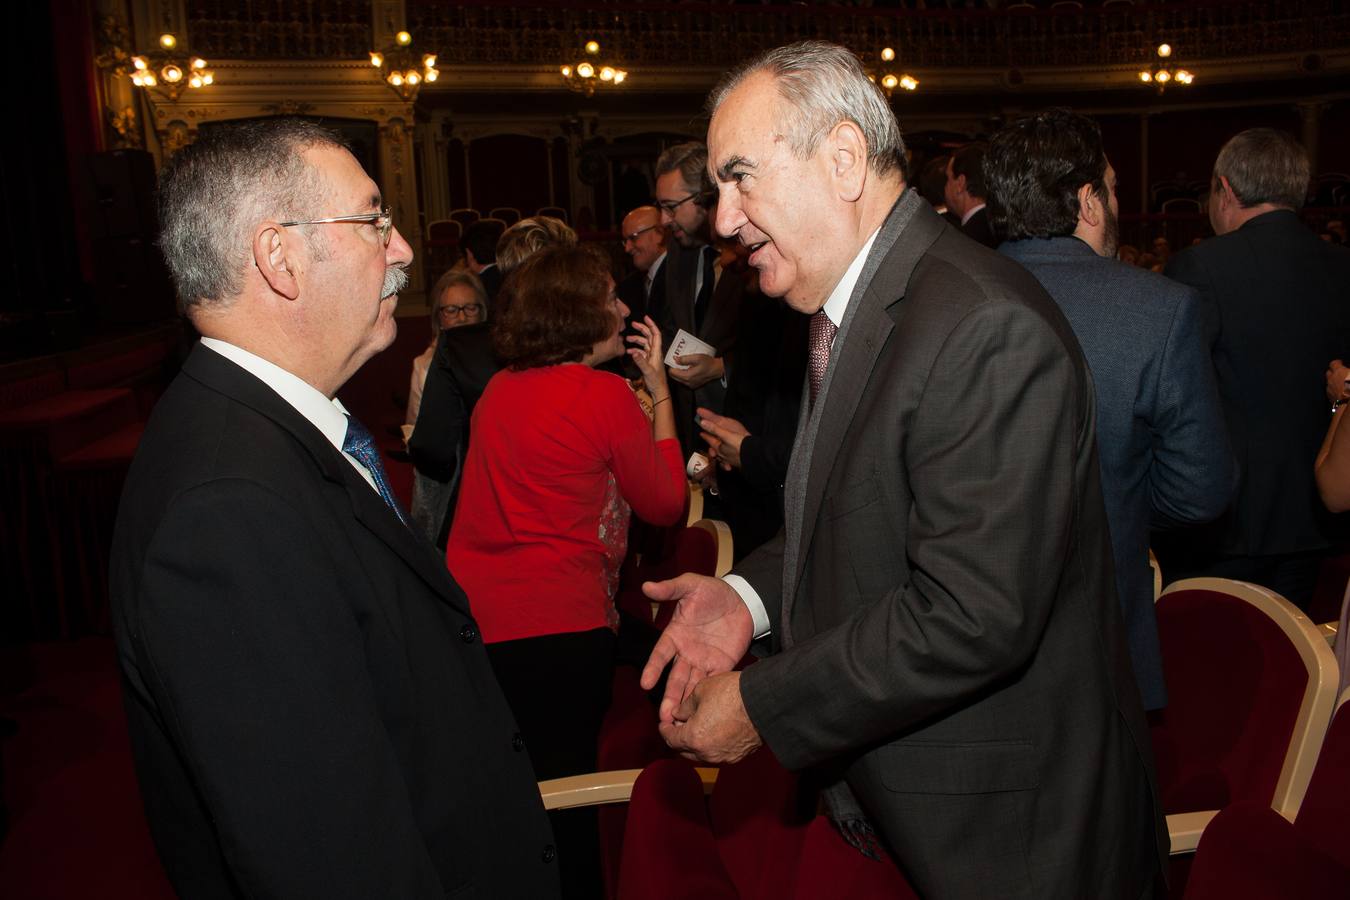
908 233
368 507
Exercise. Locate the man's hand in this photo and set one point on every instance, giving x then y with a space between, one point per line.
1338 376
711 725
724 436
702 369
709 633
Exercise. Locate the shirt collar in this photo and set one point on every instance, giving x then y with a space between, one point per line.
837 304
655 267
329 416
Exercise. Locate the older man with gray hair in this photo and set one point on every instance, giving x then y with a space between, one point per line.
1279 296
304 682
948 652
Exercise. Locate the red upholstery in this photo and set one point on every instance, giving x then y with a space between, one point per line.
669 552
1235 683
832 868
34 387
145 362
465 217
669 851
444 231
1251 851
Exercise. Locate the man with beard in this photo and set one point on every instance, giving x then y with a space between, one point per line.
1162 441
304 682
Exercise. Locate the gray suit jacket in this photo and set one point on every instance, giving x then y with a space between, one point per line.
944 588
1161 437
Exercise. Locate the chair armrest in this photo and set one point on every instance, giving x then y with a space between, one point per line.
600 788
1329 630
1185 829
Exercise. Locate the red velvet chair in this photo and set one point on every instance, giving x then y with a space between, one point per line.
1249 850
751 839
1251 683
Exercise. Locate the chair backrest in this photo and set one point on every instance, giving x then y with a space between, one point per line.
758 824
556 212
1181 205
1251 683
508 214
1321 818
464 216
444 231
831 867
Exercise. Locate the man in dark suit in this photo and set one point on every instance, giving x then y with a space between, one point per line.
644 240
699 299
1280 298
1161 436
480 254
966 192
951 659
311 710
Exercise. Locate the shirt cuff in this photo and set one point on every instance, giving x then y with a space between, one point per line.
750 597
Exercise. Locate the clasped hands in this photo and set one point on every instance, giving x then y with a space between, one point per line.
702 714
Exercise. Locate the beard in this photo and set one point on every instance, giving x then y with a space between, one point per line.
395 280
1110 233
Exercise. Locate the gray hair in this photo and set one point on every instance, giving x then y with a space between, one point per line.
215 191
454 278
824 84
691 161
1264 165
528 236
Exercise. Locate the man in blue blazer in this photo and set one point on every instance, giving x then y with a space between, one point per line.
311 710
1163 445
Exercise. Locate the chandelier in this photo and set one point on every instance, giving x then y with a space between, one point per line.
584 76
886 77
404 73
169 69
1160 72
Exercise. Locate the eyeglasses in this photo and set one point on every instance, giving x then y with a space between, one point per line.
629 238
468 309
671 205
382 220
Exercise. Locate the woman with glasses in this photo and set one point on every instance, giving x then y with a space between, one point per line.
458 299
558 453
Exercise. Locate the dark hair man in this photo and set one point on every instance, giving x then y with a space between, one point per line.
698 299
1279 297
305 685
940 598
480 253
965 192
1163 444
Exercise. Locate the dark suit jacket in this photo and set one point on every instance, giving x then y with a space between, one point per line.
311 710
943 587
719 330
492 281
1283 310
1161 437
978 229
764 392
462 366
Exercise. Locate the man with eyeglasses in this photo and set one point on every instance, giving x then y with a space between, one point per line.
644 290
304 683
698 299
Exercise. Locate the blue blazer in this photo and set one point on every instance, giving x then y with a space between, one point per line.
1162 441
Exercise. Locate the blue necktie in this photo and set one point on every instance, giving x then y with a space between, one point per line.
361 445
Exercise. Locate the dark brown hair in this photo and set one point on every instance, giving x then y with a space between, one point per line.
557 308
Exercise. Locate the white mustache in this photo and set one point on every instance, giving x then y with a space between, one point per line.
395 280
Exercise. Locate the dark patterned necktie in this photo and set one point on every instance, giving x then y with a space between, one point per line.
360 444
822 336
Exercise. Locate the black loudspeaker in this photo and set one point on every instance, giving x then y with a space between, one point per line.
131 283
122 190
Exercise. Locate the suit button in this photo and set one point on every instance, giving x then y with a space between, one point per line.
517 742
549 853
468 634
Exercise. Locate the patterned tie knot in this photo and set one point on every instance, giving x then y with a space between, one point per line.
821 339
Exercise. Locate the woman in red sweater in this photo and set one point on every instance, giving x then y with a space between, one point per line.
558 452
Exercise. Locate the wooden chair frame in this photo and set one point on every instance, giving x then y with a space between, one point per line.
1314 710
600 788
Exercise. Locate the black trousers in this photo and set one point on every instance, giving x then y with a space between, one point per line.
558 686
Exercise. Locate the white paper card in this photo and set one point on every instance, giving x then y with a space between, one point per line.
685 344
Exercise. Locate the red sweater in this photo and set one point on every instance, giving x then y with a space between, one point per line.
527 544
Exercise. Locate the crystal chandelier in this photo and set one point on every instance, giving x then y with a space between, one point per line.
588 73
886 77
403 71
170 69
1161 74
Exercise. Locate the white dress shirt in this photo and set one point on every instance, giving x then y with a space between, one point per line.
835 307
329 416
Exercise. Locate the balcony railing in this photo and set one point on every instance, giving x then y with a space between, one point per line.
720 34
